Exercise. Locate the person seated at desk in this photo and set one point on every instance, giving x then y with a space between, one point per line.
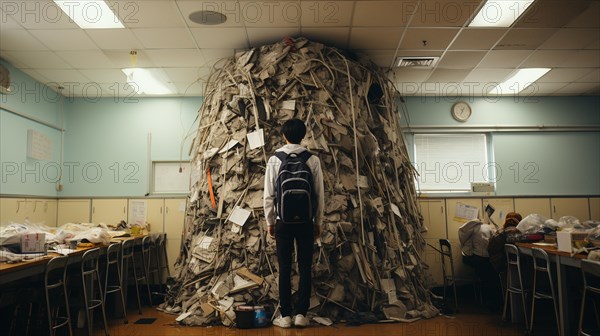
474 237
497 241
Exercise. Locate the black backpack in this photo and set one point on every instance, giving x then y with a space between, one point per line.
294 193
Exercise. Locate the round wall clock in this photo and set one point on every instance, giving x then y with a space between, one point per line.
461 111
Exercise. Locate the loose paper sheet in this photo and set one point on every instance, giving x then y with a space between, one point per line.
395 210
256 139
229 146
465 212
138 212
239 216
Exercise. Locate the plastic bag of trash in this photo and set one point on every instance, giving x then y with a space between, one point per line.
531 224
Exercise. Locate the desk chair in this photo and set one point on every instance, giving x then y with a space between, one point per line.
541 266
146 259
591 285
513 258
158 261
55 278
113 279
91 299
448 272
127 261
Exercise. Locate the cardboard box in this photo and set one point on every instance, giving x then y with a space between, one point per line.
565 240
33 243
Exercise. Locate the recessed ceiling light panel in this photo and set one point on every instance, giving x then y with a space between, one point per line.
500 13
90 14
209 18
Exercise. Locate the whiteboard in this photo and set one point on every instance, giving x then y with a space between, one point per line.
166 178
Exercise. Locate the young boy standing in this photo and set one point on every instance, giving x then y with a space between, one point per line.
292 221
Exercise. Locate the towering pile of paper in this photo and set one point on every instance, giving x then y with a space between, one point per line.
368 257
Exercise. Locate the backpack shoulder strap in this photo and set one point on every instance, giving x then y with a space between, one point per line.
304 156
281 155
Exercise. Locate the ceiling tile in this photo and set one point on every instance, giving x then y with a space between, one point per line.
487 75
595 45
374 38
271 13
551 13
164 38
19 39
122 39
264 36
588 18
518 39
382 58
545 89
36 75
64 76
460 59
382 13
189 76
64 39
436 38
90 59
332 36
193 90
232 9
148 13
564 75
326 13
220 38
37 59
448 76
579 89
592 77
504 58
409 75
547 58
477 39
176 57
211 56
39 14
583 59
571 38
122 59
443 13
103 75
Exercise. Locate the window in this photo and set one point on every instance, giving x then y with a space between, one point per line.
450 162
171 177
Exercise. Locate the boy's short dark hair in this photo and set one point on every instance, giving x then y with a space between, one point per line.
294 130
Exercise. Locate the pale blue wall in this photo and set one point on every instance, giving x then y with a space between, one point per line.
531 163
21 175
106 142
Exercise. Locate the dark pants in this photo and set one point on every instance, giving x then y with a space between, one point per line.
490 281
285 234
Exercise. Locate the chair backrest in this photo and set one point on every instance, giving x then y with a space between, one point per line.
113 253
54 275
512 254
541 261
591 274
127 248
89 261
446 250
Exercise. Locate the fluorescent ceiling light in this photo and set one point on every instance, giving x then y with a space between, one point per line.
500 13
149 81
519 81
90 14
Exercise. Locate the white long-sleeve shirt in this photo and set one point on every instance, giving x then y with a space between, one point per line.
474 238
271 175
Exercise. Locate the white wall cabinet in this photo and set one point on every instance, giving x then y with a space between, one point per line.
577 207
595 208
527 206
154 213
109 211
73 211
42 211
434 219
173 226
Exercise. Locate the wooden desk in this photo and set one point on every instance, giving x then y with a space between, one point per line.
561 259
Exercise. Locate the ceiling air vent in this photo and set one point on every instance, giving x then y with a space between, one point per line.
416 62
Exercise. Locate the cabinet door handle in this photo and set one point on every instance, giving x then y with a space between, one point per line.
161 210
554 208
124 211
441 209
166 210
93 209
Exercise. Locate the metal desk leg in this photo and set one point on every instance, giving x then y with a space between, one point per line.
562 296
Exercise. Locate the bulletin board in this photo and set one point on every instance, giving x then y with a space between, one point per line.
167 179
